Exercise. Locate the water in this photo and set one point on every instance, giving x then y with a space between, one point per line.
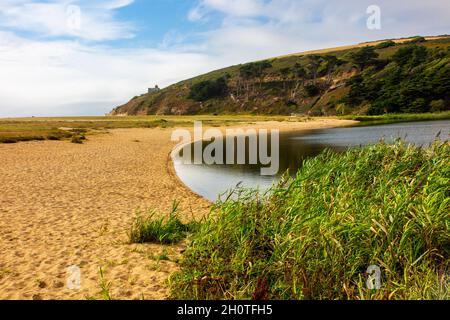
210 181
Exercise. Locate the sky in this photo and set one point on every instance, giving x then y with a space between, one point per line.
85 57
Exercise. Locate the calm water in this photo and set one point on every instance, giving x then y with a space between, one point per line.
210 181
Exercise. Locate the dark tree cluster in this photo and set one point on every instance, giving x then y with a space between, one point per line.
254 70
209 89
364 57
416 79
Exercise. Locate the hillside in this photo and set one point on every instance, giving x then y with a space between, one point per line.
389 76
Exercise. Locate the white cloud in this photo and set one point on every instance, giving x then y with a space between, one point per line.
241 8
87 20
256 29
66 77
68 71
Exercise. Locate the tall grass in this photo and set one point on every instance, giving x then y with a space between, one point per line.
149 229
398 117
314 237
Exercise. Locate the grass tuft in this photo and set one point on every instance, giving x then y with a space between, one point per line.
148 229
77 139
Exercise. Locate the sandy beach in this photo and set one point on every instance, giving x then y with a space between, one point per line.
63 204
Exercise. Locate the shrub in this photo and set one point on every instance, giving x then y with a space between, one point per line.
412 55
312 90
364 57
418 39
207 90
439 105
77 139
8 140
254 69
386 44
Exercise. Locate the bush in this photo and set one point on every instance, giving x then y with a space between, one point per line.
312 90
386 44
147 229
8 140
77 139
439 105
364 57
418 39
409 84
315 236
254 69
207 90
15 139
419 105
412 55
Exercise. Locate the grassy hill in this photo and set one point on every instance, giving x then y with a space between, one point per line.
389 76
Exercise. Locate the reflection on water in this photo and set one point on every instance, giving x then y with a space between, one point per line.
210 181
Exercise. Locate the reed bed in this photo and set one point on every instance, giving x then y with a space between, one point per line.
314 236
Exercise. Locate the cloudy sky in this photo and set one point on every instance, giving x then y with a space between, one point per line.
84 57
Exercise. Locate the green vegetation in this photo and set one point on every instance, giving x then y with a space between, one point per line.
148 229
409 76
71 129
364 57
398 117
314 237
208 89
78 139
417 39
105 286
385 44
414 80
68 128
254 70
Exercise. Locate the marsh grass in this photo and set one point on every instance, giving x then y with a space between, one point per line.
31 129
398 117
147 228
313 237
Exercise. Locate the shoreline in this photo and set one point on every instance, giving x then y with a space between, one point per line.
290 127
65 204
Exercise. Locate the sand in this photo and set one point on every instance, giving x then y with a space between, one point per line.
63 204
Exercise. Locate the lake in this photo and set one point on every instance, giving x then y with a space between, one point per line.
210 181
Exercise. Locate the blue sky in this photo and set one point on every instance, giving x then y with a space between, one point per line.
154 19
84 57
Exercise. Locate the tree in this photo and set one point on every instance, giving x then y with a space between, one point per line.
364 57
330 62
285 75
418 39
412 55
419 105
209 89
385 44
357 91
439 105
313 66
299 71
312 90
255 70
300 74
